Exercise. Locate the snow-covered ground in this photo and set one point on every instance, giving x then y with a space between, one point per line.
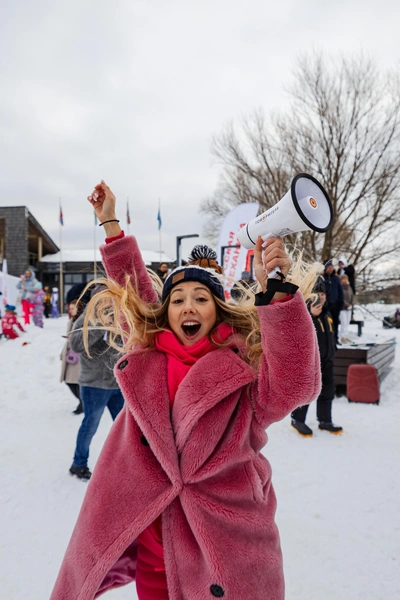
338 496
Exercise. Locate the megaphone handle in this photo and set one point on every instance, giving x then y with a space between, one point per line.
274 274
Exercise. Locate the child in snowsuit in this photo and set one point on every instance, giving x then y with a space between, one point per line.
54 303
181 498
9 321
323 324
38 305
47 301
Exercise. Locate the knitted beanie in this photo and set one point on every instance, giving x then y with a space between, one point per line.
319 286
202 266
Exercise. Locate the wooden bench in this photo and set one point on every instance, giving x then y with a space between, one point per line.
360 325
380 355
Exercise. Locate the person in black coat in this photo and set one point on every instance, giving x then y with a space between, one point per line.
323 323
334 296
346 269
75 293
163 271
246 281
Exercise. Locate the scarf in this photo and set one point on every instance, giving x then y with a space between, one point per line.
181 358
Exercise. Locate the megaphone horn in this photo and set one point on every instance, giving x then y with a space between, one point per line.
305 207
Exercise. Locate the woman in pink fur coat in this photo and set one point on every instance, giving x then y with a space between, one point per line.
181 498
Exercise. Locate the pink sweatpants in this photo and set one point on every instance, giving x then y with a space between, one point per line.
151 581
26 310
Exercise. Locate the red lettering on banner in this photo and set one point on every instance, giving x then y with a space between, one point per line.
231 258
228 250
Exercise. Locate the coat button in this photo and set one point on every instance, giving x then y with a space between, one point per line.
144 441
122 365
217 591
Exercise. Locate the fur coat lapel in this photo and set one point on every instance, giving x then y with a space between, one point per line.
149 404
201 390
204 387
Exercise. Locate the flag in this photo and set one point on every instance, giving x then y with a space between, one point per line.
128 218
61 216
159 218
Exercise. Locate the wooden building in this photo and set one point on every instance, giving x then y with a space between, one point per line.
23 241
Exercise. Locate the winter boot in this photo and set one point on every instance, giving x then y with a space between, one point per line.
78 410
80 472
330 427
301 428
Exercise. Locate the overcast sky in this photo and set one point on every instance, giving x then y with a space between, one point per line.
132 92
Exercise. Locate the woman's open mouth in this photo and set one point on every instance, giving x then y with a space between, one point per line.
191 329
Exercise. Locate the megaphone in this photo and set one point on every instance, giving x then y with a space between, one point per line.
305 207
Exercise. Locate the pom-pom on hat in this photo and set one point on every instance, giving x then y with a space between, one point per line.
202 266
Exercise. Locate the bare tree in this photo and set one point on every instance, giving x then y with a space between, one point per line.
342 127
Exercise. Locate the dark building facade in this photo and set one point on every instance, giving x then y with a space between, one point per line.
73 273
23 241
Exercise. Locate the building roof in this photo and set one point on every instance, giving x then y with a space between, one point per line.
34 227
87 255
48 242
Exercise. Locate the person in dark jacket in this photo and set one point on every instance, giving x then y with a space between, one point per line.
346 269
334 296
246 281
323 324
163 271
46 301
75 293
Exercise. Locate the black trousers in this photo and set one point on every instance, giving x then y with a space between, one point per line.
335 312
324 400
74 387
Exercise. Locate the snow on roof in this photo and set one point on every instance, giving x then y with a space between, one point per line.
87 255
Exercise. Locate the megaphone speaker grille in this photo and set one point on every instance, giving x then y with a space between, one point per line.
312 202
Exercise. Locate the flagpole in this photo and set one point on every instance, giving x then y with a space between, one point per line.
159 229
128 217
95 247
61 264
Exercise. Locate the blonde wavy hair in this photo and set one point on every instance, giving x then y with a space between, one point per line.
133 322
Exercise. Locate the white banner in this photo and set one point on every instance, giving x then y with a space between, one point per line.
8 287
234 260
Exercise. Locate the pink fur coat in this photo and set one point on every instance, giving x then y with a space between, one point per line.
199 464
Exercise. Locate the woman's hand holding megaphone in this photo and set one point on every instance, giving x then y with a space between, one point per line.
267 256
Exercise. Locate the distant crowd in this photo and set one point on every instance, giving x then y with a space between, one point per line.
36 302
